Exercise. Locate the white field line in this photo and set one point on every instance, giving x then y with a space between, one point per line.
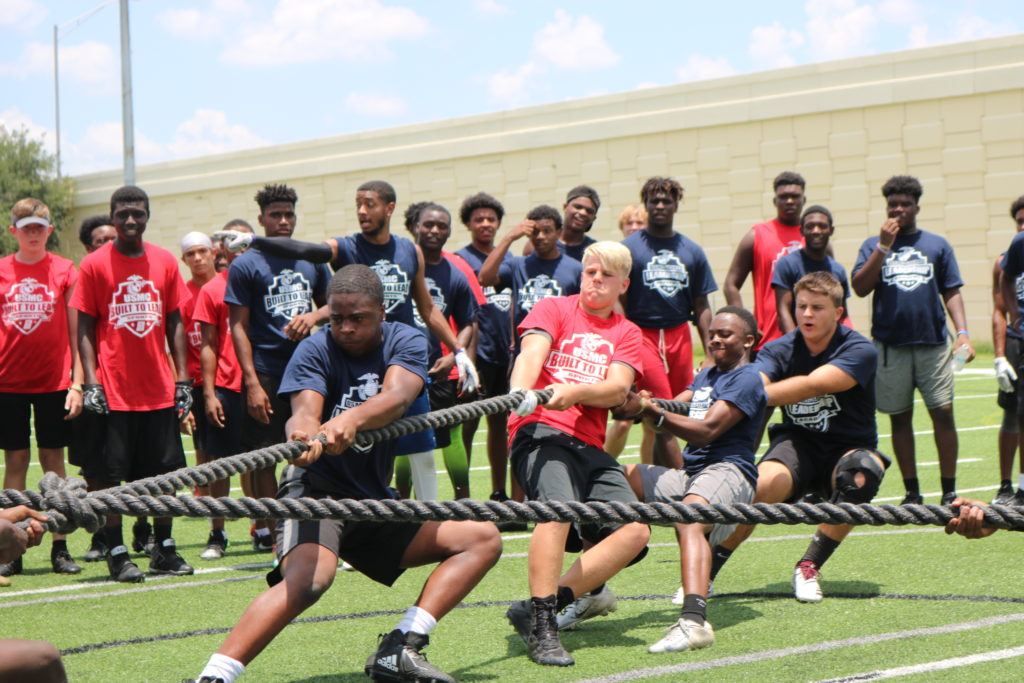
940 665
767 655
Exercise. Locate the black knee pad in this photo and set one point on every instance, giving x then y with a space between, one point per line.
846 490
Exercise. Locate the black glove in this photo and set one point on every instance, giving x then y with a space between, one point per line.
183 398
94 399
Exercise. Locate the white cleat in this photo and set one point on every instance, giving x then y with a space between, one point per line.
587 606
684 635
805 582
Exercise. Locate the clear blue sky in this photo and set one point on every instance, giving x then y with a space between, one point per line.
224 75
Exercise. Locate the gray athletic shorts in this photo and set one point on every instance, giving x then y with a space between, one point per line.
720 484
901 369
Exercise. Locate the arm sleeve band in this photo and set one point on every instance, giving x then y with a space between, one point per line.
286 247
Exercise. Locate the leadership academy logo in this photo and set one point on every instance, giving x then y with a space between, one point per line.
396 284
666 273
28 305
288 295
580 359
700 403
500 298
136 306
907 268
814 413
368 387
537 288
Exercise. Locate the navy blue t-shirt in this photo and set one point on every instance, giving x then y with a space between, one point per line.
743 388
844 420
275 290
794 265
907 303
576 250
345 381
1013 266
495 334
450 292
396 265
533 278
668 274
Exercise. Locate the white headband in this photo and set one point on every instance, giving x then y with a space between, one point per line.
31 220
195 239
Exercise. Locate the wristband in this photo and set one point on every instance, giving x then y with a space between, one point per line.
963 332
75 387
882 248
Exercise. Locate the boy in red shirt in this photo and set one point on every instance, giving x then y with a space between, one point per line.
128 299
589 356
35 357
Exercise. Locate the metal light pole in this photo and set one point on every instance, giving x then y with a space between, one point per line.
127 117
56 94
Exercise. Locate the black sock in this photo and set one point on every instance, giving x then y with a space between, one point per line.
719 555
695 608
911 485
820 549
58 546
1005 483
595 591
161 532
114 536
565 598
948 484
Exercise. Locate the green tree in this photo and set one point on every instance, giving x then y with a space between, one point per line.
27 170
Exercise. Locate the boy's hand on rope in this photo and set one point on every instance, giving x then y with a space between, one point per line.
316 448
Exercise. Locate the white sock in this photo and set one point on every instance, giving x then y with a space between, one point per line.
223 667
1020 481
424 475
418 621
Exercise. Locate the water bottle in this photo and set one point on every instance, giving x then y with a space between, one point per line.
960 357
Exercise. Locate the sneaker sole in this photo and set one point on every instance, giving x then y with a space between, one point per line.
168 572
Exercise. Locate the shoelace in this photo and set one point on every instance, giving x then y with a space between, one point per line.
808 570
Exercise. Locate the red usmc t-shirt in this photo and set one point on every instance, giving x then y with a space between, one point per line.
35 352
211 309
193 335
772 240
583 347
130 299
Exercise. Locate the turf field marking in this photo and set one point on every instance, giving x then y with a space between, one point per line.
766 655
941 665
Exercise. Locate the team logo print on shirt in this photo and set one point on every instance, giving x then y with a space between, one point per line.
357 395
502 299
814 413
195 335
136 306
537 288
907 268
701 402
787 248
396 284
437 296
580 359
28 305
666 273
288 295
1018 287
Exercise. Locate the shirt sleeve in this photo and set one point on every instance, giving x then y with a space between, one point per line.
323 278
745 390
782 275
308 368
856 357
83 298
177 293
408 349
704 277
1013 262
950 276
771 359
238 291
464 305
204 310
505 273
864 254
628 350
545 316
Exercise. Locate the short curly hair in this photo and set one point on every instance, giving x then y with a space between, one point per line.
903 184
539 213
656 184
480 200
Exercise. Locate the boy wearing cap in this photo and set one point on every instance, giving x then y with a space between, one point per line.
580 209
35 354
197 254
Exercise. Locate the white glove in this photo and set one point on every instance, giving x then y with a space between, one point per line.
235 241
1005 374
527 405
467 372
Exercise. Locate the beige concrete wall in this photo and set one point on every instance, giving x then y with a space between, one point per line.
951 115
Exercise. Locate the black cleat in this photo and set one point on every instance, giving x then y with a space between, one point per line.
913 499
97 549
398 658
948 498
1004 496
63 564
142 538
165 560
121 568
543 644
216 544
11 568
519 615
1018 498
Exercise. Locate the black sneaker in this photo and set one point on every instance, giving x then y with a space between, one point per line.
204 679
913 499
399 658
501 497
543 644
121 568
63 564
165 560
216 544
947 498
97 549
519 615
142 538
263 542
1018 498
1004 496
11 568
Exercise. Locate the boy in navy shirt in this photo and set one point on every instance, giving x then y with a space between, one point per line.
823 374
1007 341
912 273
581 206
359 373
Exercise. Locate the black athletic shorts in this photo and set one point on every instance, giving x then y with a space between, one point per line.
493 378
140 444
255 434
88 437
52 430
227 440
199 413
375 549
1007 400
